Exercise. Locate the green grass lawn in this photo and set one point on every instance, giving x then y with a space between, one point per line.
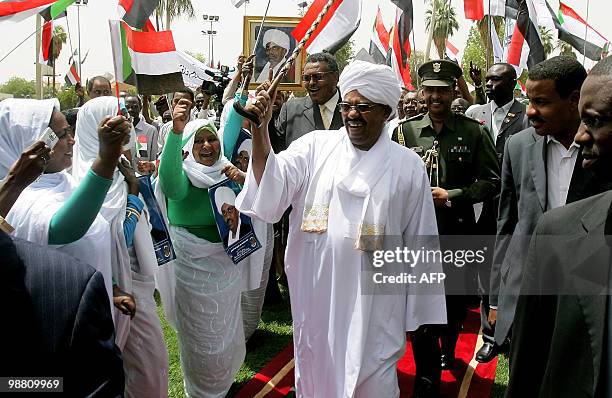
271 337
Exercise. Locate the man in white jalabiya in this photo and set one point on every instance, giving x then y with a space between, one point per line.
352 190
276 43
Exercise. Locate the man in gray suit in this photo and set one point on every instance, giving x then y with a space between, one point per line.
565 294
318 110
503 116
541 171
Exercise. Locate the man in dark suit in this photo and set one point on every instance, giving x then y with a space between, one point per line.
503 116
541 171
318 110
57 321
565 294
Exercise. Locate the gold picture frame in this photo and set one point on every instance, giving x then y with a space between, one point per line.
283 27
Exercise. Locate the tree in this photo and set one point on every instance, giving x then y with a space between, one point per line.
172 9
199 56
57 40
417 58
565 49
547 40
445 23
19 87
345 55
485 36
475 53
67 98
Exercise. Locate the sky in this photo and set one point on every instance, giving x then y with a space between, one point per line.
228 43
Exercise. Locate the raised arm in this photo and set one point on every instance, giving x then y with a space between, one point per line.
73 219
173 180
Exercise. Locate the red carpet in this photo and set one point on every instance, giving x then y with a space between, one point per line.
276 378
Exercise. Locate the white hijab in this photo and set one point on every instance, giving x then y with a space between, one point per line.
22 122
85 152
202 176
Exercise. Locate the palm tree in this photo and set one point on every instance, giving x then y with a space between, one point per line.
485 36
565 49
172 9
445 23
547 40
57 40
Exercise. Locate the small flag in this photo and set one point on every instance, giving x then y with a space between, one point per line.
56 10
136 13
578 33
400 42
147 60
47 40
336 28
379 42
520 86
452 52
526 49
18 10
477 9
72 76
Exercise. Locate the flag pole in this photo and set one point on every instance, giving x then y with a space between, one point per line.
69 40
23 41
432 26
586 33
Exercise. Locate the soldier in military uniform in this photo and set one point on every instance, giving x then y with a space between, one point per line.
467 172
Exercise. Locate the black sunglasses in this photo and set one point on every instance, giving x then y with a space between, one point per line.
345 107
316 76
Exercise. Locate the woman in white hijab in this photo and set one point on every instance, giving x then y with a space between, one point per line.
133 261
207 284
53 210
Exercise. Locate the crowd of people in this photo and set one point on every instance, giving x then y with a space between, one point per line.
121 202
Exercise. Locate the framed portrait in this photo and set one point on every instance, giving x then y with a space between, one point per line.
274 47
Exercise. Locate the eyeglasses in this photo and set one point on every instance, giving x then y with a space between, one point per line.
316 76
345 107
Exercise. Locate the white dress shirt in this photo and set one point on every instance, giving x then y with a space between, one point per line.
327 110
560 162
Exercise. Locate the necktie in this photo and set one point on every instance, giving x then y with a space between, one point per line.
498 118
325 117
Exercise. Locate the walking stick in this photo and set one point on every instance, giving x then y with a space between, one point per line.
283 71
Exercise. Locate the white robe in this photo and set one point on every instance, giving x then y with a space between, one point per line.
346 342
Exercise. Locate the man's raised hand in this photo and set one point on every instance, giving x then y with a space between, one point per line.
180 115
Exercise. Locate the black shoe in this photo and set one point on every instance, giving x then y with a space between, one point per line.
423 388
487 352
447 361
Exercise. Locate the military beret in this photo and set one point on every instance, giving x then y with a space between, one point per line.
440 73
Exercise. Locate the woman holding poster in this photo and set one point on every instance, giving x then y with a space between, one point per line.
206 283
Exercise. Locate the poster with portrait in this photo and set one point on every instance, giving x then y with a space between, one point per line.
242 150
235 229
274 47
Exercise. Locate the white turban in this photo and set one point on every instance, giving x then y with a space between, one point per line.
224 195
277 37
375 82
246 146
22 122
